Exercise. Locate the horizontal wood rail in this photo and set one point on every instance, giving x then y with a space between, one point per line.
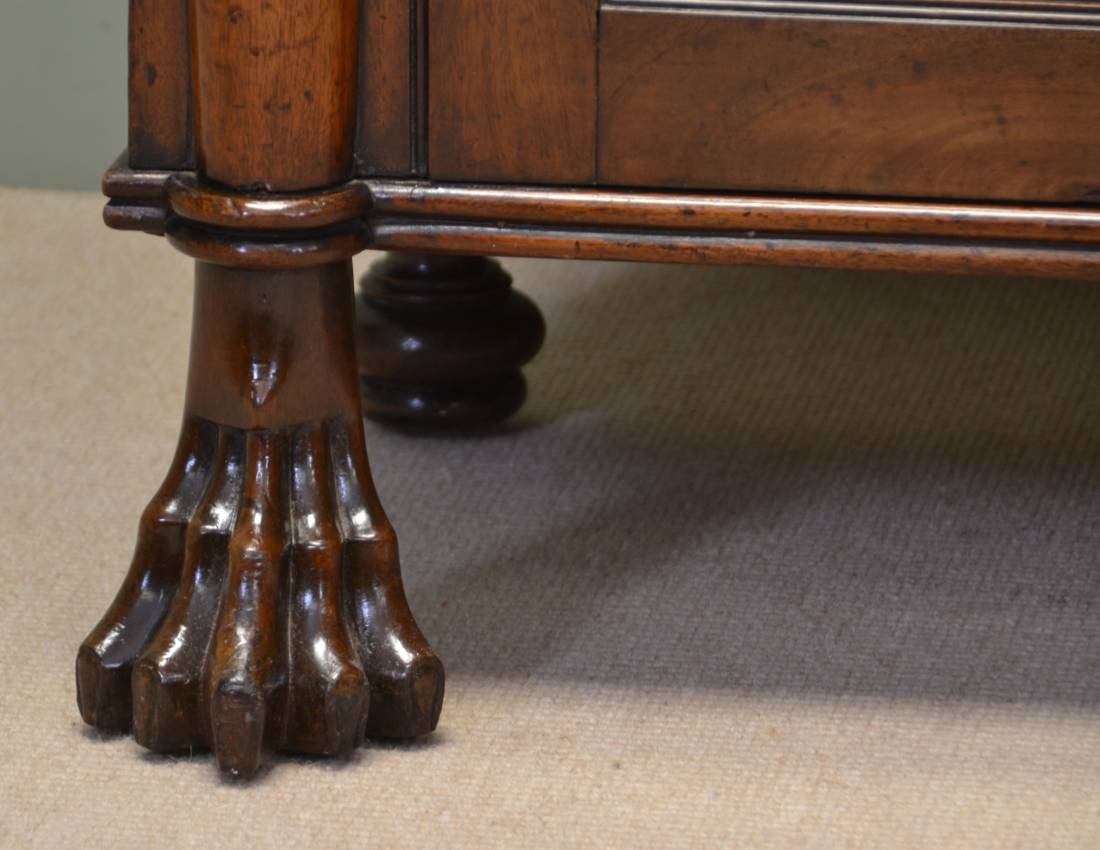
410 215
1045 12
715 212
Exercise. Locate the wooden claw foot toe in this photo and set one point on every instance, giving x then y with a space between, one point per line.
406 703
237 722
287 629
264 609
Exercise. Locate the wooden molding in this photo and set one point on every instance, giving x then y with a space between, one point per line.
391 139
411 215
1048 12
160 85
710 212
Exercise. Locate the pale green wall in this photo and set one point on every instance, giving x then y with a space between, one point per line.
62 91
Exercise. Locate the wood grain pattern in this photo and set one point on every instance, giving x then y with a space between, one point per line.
1057 12
717 213
406 215
705 97
512 90
391 73
633 209
160 85
832 252
276 86
300 211
263 608
258 249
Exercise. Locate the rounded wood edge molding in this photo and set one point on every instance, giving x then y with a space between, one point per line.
130 215
294 230
1024 259
730 214
268 251
216 207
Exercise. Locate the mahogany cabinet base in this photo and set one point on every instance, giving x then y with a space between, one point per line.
441 340
264 608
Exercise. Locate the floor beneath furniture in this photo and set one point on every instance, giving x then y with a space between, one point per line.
771 559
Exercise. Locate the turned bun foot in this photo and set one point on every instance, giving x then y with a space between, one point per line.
441 340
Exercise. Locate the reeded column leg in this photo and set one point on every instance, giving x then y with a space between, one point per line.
264 608
442 340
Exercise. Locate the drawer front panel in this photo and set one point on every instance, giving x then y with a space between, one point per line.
1001 102
512 90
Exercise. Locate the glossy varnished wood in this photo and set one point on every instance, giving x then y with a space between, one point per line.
160 85
729 213
275 91
202 203
263 608
1031 240
442 340
990 101
947 257
275 251
392 82
725 229
512 90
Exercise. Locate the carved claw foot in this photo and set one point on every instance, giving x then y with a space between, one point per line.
264 608
442 340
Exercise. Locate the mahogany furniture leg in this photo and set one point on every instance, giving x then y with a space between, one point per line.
264 606
442 339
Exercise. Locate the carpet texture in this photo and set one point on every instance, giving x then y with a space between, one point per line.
770 559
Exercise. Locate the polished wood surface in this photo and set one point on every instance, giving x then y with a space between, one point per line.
512 90
730 213
275 91
719 95
442 340
610 224
393 86
263 608
275 251
160 85
963 258
190 199
272 140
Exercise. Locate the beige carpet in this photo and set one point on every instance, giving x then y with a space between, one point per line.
771 559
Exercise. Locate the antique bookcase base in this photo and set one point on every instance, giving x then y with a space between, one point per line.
203 647
272 141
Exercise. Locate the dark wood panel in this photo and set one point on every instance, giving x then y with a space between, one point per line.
392 71
719 97
160 85
512 90
275 91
